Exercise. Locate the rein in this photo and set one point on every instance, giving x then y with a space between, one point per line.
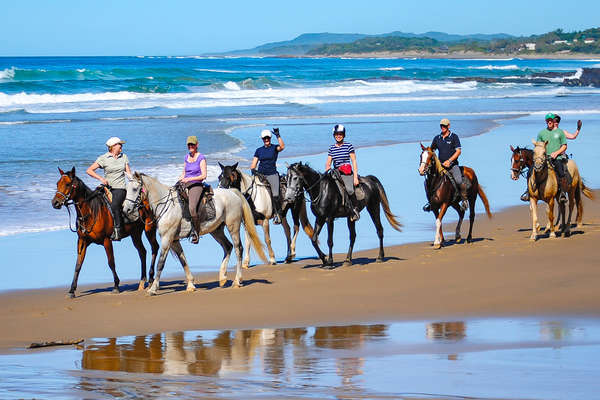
309 188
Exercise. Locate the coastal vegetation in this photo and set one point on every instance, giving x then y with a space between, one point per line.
555 42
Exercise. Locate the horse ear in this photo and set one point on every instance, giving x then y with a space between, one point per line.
136 175
422 147
534 142
61 171
73 170
234 166
222 166
512 148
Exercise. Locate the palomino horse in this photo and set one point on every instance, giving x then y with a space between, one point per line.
327 204
543 185
95 225
522 164
441 194
230 210
259 197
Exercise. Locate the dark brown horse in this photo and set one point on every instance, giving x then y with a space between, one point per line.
442 194
94 224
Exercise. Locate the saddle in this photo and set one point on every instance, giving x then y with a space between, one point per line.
358 190
106 195
467 182
206 205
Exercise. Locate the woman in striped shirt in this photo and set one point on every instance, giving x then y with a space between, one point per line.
343 156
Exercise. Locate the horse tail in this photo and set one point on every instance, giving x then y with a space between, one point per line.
587 192
249 226
308 229
486 204
392 219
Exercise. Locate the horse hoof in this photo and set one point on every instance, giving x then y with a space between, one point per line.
532 238
237 285
70 296
141 286
151 293
273 262
552 235
245 266
437 246
347 263
222 282
116 291
567 234
190 289
469 240
288 260
379 259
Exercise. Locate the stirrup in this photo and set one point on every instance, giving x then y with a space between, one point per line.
194 238
525 196
427 207
355 215
464 205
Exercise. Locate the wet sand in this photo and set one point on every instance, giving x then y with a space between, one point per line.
501 274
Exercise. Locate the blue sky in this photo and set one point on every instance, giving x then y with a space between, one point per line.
185 27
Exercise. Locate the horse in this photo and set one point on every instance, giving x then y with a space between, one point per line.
441 193
230 210
327 204
259 196
522 164
94 224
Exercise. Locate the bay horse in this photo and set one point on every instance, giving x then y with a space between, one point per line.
259 196
94 224
522 164
327 204
441 193
231 209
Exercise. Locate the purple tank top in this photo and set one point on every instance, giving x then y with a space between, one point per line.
193 168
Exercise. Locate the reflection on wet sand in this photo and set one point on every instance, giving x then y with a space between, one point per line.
447 331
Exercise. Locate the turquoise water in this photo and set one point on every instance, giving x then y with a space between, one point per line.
482 359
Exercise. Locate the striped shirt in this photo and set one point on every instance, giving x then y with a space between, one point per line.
340 155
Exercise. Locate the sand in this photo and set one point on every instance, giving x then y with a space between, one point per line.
501 274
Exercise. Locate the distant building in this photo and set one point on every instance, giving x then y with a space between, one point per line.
560 42
588 41
530 46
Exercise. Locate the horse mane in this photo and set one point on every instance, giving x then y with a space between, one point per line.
94 200
438 165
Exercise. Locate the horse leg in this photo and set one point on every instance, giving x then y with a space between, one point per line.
330 242
288 236
315 239
110 254
352 230
472 216
461 216
267 234
439 234
550 212
177 251
296 219
219 235
82 246
246 259
579 202
151 236
136 238
375 214
234 231
165 245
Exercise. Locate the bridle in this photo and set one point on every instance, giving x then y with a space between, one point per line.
67 197
304 185
521 163
539 166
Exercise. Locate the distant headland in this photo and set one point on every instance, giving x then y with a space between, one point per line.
555 44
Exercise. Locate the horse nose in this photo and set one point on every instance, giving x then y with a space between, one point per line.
55 204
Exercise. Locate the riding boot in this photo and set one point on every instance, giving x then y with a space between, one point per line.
195 229
427 207
117 234
525 196
276 210
564 189
355 212
464 204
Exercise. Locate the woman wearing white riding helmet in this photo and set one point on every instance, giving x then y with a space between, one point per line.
343 157
115 165
266 159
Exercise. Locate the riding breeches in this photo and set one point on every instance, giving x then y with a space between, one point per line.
194 194
118 197
559 167
456 174
273 180
348 183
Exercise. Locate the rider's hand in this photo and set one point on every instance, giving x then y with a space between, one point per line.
276 132
355 180
104 181
446 163
253 171
554 154
579 125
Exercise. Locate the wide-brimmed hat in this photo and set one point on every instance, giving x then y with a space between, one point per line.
114 140
191 140
445 122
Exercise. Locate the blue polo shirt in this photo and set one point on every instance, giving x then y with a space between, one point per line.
446 146
267 157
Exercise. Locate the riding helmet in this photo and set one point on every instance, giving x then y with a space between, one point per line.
339 128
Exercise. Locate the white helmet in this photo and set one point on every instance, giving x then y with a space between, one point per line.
339 128
265 133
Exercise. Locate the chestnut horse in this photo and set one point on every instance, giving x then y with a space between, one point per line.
441 194
94 224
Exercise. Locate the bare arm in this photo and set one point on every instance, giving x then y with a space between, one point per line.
91 171
281 144
128 171
574 135
328 163
254 163
354 168
452 158
558 152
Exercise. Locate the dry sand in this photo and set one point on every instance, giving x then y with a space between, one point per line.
501 274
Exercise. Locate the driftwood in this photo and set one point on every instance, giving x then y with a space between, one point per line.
54 343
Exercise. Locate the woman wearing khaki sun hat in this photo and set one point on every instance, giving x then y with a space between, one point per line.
115 165
193 176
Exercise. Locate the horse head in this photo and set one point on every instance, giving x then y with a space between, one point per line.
294 183
133 198
539 155
426 159
66 188
229 177
520 159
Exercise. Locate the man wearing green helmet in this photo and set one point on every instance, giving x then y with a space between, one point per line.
555 148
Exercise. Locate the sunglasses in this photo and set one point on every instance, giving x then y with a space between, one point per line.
191 145
266 138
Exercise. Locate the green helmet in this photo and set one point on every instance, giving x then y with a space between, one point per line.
549 116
